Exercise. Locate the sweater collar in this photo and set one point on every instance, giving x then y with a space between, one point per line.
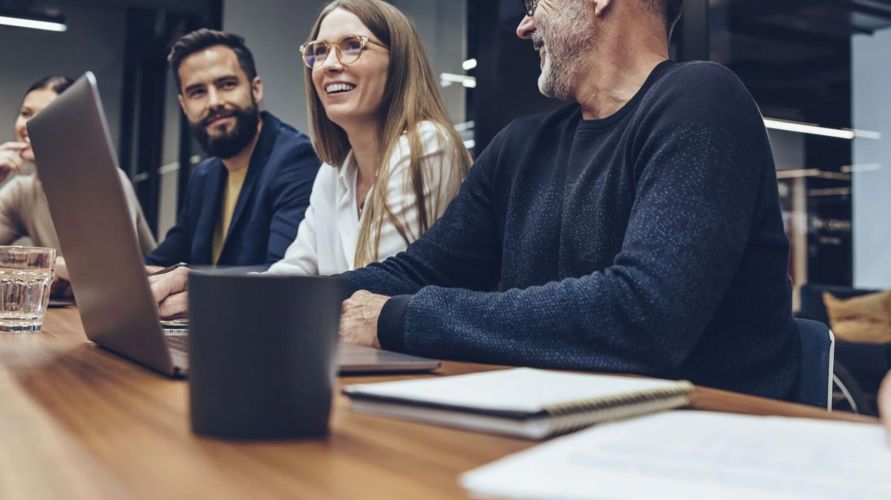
654 76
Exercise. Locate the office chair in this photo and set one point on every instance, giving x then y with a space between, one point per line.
859 367
817 358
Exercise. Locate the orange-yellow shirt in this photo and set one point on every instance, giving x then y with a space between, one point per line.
234 183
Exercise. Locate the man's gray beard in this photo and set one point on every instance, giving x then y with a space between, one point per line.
552 84
571 45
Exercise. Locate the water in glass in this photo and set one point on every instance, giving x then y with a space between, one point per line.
26 275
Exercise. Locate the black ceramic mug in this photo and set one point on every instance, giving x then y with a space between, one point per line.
262 354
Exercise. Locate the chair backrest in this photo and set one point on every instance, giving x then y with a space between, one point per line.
817 358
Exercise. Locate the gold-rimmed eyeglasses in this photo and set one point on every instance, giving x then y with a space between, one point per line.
347 50
529 6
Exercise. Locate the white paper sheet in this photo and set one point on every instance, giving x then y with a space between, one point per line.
690 454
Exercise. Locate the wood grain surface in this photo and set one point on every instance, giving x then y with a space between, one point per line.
79 422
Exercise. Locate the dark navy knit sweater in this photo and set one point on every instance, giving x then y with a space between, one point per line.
647 242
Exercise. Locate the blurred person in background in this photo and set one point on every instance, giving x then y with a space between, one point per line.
24 211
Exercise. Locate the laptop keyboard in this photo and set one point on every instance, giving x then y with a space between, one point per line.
178 340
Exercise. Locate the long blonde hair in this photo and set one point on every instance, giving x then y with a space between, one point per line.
411 96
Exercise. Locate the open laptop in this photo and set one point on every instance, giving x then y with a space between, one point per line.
76 164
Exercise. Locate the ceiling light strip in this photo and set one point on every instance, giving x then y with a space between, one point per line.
20 22
467 81
804 128
809 128
793 174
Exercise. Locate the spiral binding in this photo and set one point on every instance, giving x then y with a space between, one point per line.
567 417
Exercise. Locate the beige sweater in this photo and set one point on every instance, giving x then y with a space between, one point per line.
24 211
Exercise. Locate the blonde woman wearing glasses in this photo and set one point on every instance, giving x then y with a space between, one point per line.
393 161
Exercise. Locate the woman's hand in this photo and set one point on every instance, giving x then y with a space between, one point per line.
11 159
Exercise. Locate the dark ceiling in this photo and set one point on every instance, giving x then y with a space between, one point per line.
795 55
57 7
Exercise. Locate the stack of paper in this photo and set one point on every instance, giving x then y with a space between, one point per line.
691 454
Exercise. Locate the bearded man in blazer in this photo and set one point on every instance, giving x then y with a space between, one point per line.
243 204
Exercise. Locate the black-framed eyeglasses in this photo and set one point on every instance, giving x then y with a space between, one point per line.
529 6
347 50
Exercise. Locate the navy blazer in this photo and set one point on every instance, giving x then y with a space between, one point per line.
270 206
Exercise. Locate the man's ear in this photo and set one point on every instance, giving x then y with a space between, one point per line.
182 103
257 89
601 6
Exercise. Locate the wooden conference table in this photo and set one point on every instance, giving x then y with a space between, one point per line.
79 422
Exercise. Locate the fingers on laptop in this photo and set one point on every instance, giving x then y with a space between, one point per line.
169 291
174 306
164 285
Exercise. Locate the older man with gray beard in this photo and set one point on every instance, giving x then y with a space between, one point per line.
636 230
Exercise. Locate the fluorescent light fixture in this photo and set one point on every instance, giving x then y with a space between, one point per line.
805 128
809 128
842 191
814 172
863 167
794 174
467 81
835 176
37 24
465 126
469 64
867 134
469 144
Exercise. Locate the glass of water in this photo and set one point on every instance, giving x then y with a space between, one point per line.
26 274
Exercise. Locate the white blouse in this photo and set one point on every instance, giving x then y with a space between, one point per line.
326 239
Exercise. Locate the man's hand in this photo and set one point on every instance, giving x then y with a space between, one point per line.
169 290
358 318
885 404
61 285
11 158
60 288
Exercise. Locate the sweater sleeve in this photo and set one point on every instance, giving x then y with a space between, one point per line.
700 155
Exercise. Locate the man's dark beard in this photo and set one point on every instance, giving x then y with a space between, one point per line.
229 144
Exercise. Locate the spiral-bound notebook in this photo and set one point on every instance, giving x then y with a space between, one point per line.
523 402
